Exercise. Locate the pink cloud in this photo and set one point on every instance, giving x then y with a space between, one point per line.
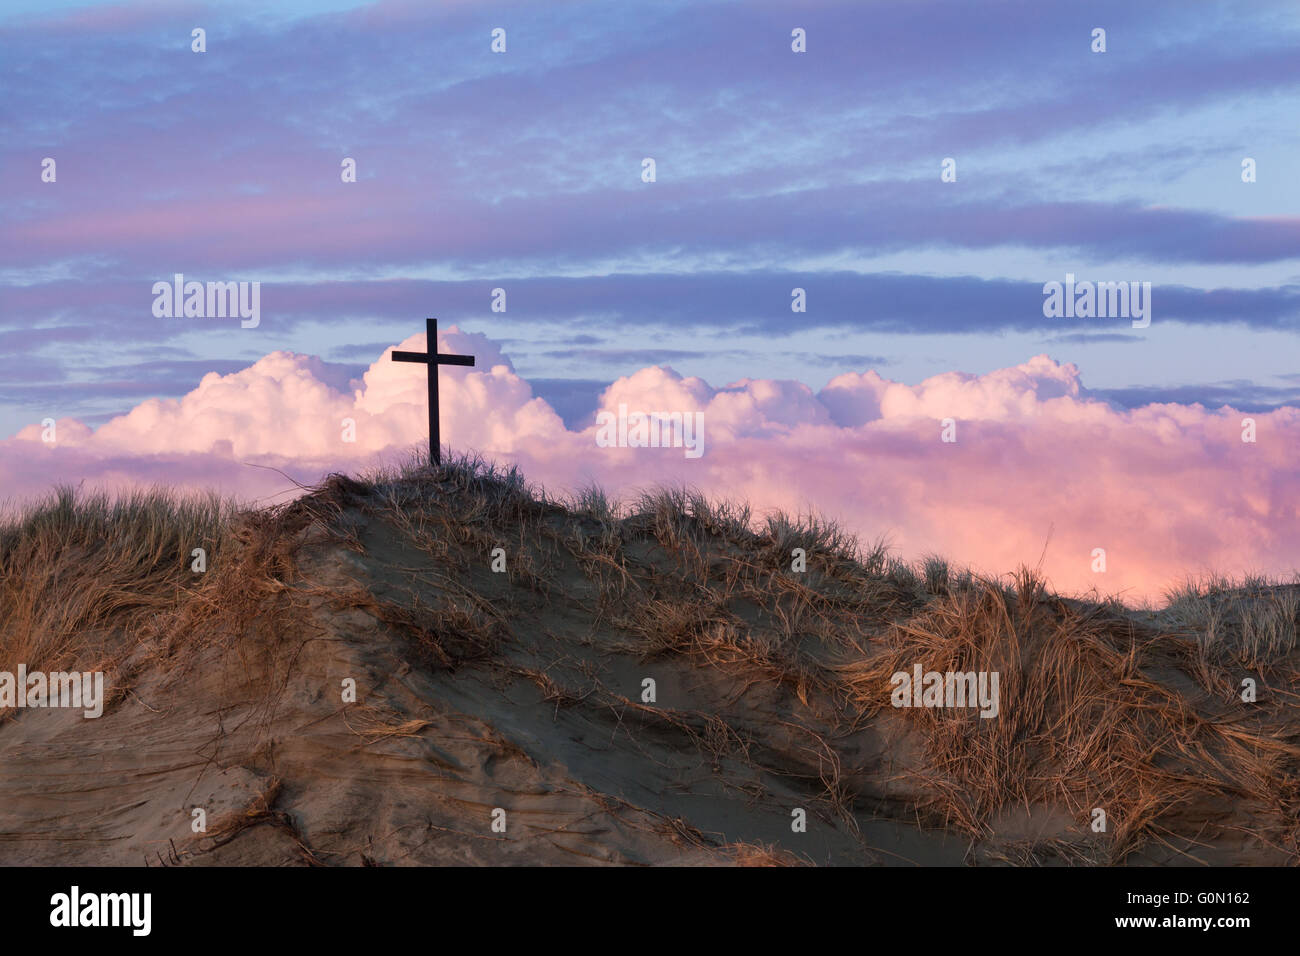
1038 467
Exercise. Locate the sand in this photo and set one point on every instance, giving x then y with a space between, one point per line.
522 692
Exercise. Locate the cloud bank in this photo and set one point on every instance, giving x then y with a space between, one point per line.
1039 466
818 170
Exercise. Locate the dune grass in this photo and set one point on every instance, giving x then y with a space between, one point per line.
1251 620
1085 722
76 570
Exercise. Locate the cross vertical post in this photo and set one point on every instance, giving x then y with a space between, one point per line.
432 358
435 429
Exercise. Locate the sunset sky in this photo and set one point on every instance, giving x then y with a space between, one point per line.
819 170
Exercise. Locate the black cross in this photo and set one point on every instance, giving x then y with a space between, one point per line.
432 358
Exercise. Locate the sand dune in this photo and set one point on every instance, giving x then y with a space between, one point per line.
524 690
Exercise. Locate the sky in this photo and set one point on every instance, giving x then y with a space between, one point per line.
920 170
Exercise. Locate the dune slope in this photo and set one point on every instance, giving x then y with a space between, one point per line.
652 686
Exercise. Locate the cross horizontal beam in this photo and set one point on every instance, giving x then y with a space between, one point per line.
426 358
